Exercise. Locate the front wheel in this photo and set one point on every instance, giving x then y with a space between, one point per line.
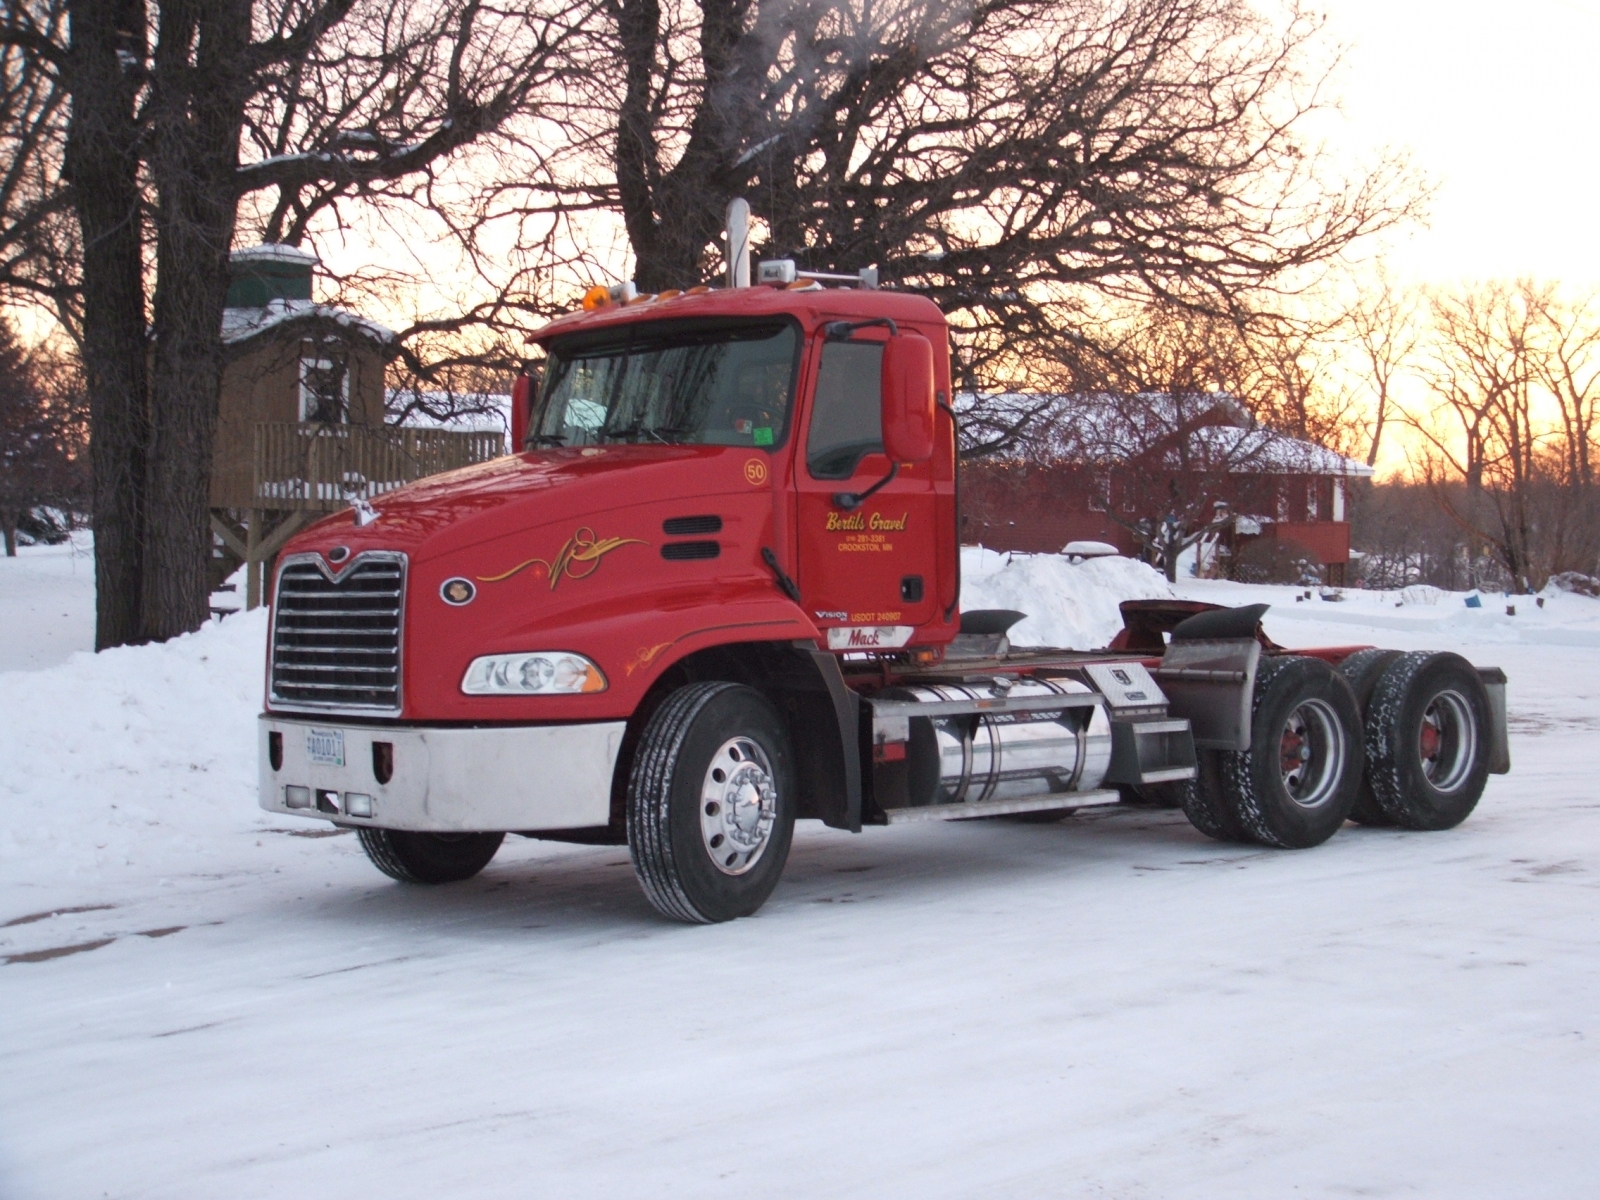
711 803
429 857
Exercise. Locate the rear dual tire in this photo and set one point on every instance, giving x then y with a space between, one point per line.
1205 802
1427 737
1295 786
1390 739
1361 671
1297 783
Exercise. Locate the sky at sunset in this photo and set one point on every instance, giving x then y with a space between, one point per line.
1499 105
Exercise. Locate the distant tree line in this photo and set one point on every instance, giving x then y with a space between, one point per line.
1501 490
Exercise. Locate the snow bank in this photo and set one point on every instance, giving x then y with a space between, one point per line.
133 758
1068 604
1564 618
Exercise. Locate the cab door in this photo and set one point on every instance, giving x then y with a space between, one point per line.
866 573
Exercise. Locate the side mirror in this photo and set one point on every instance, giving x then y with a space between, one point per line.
521 402
908 398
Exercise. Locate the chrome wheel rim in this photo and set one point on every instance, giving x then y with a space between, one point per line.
1311 754
738 806
1447 743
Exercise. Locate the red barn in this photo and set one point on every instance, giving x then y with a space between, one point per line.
1111 462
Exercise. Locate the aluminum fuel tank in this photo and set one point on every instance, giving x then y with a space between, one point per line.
975 757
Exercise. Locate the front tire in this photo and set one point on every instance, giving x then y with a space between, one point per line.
429 857
1427 735
1297 783
711 803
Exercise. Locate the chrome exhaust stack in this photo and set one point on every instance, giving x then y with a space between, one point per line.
737 245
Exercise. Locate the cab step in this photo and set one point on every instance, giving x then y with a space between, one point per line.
1002 808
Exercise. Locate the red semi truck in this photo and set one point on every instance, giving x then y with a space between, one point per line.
716 591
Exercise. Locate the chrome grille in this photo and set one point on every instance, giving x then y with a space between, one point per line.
336 641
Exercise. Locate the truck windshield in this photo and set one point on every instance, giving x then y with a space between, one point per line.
719 386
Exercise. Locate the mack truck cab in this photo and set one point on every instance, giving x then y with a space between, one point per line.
716 590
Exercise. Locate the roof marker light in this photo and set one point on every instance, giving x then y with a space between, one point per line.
597 297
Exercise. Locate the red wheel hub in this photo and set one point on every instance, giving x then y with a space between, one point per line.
1292 751
1430 740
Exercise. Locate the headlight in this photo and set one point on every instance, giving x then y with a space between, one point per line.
546 673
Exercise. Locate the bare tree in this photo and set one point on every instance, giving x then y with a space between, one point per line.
1385 325
179 114
1507 445
38 245
1484 432
999 156
1567 362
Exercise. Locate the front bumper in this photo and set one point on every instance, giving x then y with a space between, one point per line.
443 780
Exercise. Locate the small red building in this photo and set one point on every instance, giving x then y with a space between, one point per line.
1112 461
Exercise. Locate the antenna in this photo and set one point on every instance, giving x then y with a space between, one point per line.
738 245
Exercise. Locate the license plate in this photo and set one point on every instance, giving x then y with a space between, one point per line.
325 746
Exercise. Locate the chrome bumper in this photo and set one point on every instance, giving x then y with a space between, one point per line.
444 780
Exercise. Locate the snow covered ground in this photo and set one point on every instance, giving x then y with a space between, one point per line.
46 604
202 1000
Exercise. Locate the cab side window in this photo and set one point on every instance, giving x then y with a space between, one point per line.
846 417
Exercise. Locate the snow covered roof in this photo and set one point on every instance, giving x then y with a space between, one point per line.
275 252
242 324
1205 431
469 412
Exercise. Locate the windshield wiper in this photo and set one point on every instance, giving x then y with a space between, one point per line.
654 431
549 439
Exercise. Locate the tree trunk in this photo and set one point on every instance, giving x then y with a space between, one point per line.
672 215
196 116
8 529
1377 426
103 167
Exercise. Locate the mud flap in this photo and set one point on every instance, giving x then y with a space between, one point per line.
847 715
1494 682
1211 682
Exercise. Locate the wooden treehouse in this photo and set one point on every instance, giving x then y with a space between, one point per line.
300 429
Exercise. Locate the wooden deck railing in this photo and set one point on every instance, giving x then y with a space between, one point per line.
311 466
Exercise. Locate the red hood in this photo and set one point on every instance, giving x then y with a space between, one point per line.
568 549
460 510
